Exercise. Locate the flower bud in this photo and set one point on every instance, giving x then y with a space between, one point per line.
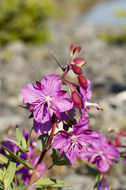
77 70
122 133
78 61
76 100
82 81
103 185
118 142
74 50
71 48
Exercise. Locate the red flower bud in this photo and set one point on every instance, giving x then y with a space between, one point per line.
122 133
78 61
71 47
77 70
76 100
77 48
83 81
118 142
74 50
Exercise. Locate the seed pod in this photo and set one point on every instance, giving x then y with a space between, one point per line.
82 81
77 70
76 100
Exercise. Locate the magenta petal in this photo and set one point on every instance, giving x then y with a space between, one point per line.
42 114
59 141
52 83
42 128
62 103
103 165
81 126
30 94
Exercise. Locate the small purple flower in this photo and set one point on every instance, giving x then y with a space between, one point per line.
45 99
103 185
73 143
81 126
86 95
101 153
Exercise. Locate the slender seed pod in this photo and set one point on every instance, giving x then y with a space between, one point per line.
82 81
76 100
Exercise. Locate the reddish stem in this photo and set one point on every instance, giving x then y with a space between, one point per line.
15 180
54 121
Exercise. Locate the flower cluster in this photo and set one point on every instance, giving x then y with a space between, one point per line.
52 108
47 98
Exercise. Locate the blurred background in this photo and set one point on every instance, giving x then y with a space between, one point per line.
32 30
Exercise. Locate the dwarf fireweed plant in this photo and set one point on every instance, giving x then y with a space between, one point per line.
53 104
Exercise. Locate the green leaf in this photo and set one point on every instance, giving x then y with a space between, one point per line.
24 143
1 187
21 187
24 162
3 159
48 182
1 174
20 138
18 135
21 149
42 139
60 161
10 172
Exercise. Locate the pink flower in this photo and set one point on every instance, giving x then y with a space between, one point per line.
46 98
73 143
103 185
101 153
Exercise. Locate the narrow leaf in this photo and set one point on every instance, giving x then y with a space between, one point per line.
59 161
1 175
1 187
21 187
48 182
3 159
24 162
42 139
10 172
22 149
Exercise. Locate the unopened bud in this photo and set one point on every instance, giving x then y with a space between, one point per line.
71 47
122 133
78 61
76 100
74 50
77 70
82 81
118 142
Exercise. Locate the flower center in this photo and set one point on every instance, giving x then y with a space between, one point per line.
47 99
